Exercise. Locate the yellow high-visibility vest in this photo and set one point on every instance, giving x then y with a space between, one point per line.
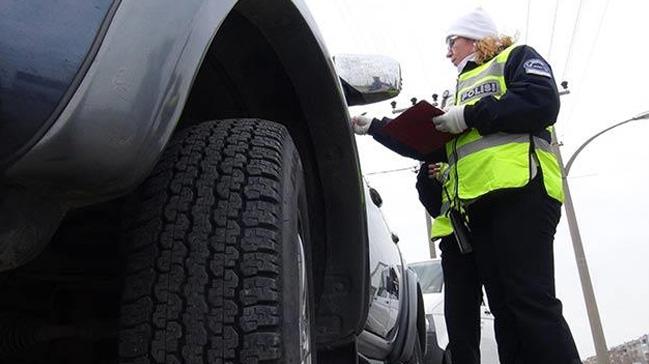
481 164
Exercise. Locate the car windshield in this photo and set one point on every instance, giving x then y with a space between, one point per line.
429 275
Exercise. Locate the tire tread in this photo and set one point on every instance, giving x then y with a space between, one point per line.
202 273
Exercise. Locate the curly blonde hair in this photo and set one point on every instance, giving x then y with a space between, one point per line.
489 47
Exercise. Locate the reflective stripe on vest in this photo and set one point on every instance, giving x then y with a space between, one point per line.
496 139
481 164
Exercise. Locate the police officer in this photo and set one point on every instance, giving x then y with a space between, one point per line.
506 183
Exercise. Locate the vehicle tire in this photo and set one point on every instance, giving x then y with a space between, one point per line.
417 355
217 245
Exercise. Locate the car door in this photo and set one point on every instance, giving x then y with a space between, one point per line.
385 274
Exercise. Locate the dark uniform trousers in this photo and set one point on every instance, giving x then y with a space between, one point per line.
512 233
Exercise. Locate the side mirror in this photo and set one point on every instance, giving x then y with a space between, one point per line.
376 197
368 79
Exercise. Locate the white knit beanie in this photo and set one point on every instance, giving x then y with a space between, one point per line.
475 25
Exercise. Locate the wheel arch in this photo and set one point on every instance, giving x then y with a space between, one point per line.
268 61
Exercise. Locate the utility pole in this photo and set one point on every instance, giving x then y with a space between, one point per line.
582 266
599 340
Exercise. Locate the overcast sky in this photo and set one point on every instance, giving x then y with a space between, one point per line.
604 64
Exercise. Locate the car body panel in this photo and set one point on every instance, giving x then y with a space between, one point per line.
45 49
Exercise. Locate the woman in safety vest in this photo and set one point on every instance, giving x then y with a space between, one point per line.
505 182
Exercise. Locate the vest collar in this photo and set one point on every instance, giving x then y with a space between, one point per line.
464 62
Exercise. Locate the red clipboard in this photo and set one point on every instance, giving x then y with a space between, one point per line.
415 129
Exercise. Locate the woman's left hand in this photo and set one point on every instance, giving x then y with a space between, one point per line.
436 171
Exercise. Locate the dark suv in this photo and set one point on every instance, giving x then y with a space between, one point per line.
179 184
